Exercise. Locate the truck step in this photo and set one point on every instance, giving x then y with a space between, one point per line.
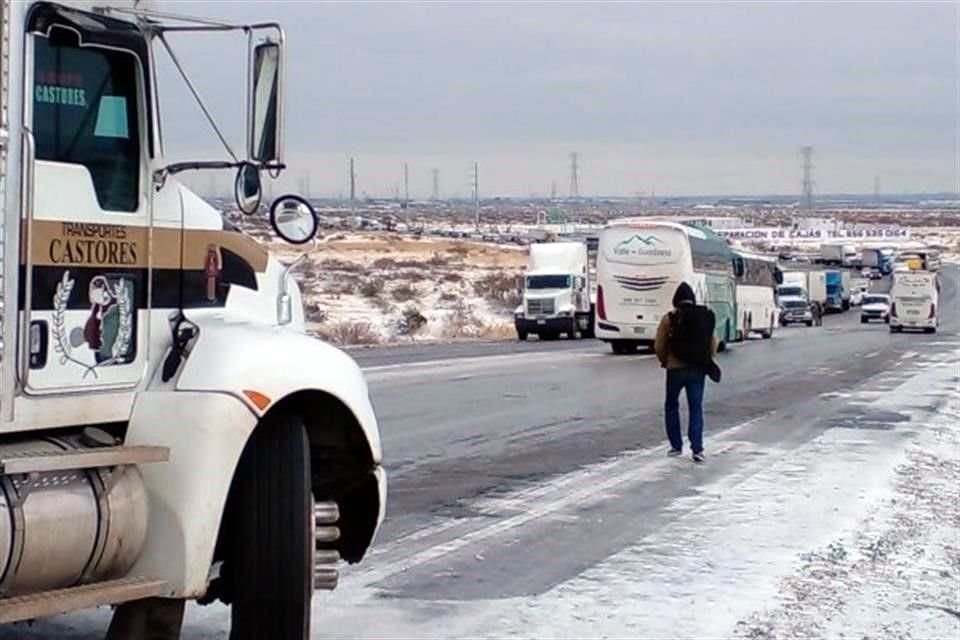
39 462
50 603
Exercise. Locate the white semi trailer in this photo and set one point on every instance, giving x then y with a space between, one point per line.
167 430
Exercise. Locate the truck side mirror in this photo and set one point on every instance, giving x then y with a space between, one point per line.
247 188
778 276
264 108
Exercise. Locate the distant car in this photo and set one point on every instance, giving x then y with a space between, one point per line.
795 310
876 306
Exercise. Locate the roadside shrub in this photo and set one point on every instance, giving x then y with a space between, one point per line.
346 333
459 249
446 296
437 260
333 264
411 321
498 288
372 287
412 276
315 312
452 276
404 293
462 321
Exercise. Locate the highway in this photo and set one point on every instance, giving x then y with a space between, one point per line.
518 471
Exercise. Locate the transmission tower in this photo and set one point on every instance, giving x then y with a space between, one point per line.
436 184
806 199
574 176
353 184
475 183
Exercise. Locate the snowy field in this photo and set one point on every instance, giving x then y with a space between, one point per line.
365 289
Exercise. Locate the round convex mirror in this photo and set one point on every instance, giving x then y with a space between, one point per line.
247 188
293 219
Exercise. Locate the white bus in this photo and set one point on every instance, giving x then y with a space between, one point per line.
756 294
639 265
915 300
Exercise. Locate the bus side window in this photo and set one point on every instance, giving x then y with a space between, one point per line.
85 112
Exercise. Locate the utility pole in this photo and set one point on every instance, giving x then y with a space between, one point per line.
406 185
807 196
475 183
553 190
574 176
436 185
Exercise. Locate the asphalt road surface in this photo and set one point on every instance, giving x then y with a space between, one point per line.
517 469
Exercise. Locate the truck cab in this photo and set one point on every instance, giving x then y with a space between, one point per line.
556 292
168 432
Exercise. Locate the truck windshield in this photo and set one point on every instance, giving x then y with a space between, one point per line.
875 300
548 282
791 291
794 304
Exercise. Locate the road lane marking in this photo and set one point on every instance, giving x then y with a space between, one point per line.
461 366
533 504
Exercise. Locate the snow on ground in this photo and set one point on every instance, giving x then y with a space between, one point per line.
375 288
853 534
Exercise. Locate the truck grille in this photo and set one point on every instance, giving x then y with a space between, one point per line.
540 307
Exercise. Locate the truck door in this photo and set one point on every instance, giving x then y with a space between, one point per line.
86 227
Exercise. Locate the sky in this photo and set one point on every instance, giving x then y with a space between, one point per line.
672 99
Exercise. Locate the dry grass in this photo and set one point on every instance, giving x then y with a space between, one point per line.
498 288
346 333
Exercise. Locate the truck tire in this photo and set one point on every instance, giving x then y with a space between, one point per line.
573 333
623 347
809 323
270 561
522 336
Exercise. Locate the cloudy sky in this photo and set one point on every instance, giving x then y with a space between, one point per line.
677 99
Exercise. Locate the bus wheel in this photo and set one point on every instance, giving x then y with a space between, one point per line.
768 333
271 554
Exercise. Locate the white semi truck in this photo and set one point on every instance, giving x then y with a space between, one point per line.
167 430
556 292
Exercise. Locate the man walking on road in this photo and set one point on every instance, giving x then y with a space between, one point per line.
685 346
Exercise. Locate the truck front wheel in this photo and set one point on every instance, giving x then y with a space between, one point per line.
269 565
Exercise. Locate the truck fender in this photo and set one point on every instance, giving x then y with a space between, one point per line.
206 419
275 363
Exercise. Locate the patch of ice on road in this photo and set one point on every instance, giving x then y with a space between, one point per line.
863 551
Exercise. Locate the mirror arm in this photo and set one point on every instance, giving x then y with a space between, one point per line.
160 175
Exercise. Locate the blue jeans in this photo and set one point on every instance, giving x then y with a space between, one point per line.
693 380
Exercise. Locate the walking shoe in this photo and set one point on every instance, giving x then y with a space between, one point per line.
673 453
699 458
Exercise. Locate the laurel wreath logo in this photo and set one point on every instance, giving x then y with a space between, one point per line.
59 327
